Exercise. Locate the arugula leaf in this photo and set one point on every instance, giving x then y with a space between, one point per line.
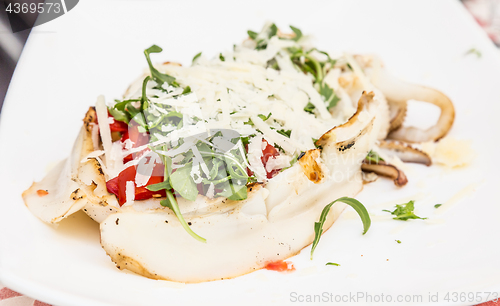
252 34
172 117
144 97
159 186
196 57
183 183
285 133
309 108
298 33
245 140
171 203
221 57
120 105
331 99
311 64
119 115
273 30
333 102
373 157
404 212
358 207
136 115
158 77
264 118
186 90
234 192
262 43
332 264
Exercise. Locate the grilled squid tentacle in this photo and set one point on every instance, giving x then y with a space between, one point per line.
399 92
404 152
384 169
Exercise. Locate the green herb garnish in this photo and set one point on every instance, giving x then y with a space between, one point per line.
264 118
332 264
404 212
329 95
398 241
437 205
309 108
171 203
285 133
474 51
373 157
298 33
196 57
252 34
158 77
358 207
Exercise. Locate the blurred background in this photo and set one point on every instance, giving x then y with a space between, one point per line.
486 13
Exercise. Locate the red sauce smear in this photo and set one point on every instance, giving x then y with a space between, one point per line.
42 192
280 266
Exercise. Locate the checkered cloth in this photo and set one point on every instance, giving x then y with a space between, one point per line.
12 298
487 14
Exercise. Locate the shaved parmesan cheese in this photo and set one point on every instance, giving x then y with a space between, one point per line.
450 152
145 168
211 191
254 158
287 144
128 144
102 118
95 135
278 162
196 174
129 193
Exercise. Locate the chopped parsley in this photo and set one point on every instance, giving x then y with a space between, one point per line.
475 52
404 212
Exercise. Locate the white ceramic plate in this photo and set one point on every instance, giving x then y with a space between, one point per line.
97 49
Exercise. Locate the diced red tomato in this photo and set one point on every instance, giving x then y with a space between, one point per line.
42 193
280 266
268 152
118 185
118 126
138 139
